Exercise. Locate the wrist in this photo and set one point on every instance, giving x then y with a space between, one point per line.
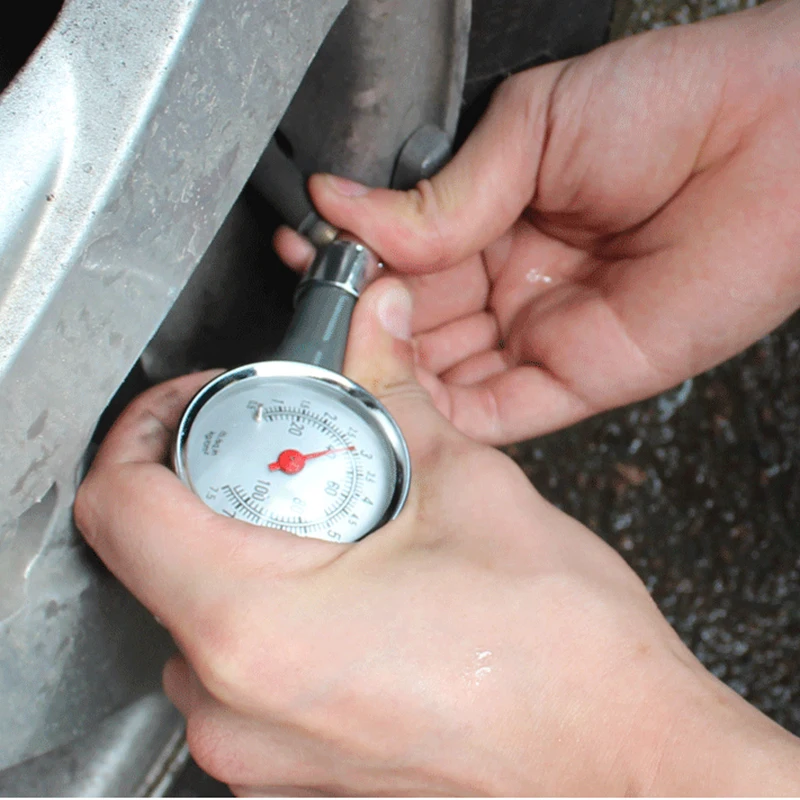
712 742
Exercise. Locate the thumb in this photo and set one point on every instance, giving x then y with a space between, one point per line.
475 199
380 357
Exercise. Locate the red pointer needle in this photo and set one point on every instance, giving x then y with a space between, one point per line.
292 462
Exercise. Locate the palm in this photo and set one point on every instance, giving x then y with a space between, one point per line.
552 323
475 334
470 323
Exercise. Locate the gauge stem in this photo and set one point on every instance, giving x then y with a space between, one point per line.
324 305
319 328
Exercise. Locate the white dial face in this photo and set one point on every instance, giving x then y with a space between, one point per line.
295 454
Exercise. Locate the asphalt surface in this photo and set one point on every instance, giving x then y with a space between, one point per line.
635 16
699 489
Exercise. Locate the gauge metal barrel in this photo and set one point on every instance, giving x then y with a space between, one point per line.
324 305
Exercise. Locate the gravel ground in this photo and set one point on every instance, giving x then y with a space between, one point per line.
700 489
634 16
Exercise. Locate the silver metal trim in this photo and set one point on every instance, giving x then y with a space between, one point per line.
345 264
297 371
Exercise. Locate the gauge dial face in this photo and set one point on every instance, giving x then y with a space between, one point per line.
313 457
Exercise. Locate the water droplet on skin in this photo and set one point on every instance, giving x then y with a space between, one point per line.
534 276
481 667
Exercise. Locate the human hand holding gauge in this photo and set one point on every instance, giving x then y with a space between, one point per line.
244 442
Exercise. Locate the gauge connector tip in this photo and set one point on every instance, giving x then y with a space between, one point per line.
346 264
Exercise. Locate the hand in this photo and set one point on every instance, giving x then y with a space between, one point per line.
482 643
616 224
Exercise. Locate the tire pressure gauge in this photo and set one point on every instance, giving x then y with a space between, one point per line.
291 443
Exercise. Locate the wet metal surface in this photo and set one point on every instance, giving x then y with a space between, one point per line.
700 491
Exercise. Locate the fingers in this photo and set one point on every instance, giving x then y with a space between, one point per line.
492 412
174 553
470 203
293 249
246 746
379 354
444 348
184 562
448 295
380 357
439 297
477 369
144 433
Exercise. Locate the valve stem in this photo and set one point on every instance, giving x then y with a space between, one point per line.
282 184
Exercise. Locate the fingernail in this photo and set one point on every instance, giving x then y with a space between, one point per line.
346 187
394 312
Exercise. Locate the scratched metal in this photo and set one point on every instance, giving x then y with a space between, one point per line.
124 142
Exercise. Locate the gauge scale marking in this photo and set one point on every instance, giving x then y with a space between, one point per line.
295 447
344 479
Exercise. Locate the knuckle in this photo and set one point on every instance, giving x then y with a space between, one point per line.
524 92
429 201
222 657
470 460
232 660
442 456
482 420
162 401
404 391
519 100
